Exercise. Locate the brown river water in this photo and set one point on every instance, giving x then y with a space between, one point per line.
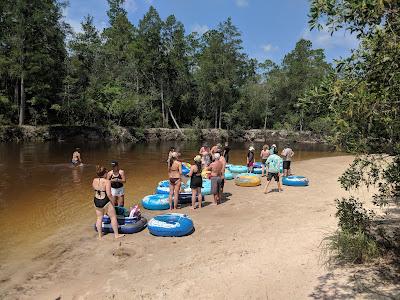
40 192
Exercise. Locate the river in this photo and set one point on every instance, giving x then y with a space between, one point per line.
40 192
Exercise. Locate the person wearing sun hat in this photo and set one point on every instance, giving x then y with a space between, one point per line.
250 159
196 181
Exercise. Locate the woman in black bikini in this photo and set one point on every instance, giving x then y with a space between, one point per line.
174 173
196 181
102 203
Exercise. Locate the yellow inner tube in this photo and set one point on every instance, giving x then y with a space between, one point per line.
247 180
205 173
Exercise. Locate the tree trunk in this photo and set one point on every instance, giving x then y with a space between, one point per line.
220 115
176 124
216 118
162 105
16 92
22 103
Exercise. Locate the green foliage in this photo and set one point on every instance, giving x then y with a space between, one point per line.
343 246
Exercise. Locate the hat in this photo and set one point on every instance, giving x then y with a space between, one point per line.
217 156
251 148
197 158
273 145
114 163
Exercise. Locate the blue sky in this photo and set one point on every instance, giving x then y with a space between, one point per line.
269 28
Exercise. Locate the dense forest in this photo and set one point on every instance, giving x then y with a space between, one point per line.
149 74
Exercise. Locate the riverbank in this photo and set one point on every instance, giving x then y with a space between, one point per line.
133 135
253 246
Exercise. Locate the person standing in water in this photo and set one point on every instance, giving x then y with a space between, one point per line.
196 181
117 178
226 152
102 203
274 163
205 155
76 158
264 156
174 174
250 159
216 173
287 154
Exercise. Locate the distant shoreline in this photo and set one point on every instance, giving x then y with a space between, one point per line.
134 135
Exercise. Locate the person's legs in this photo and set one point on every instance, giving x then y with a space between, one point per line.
221 187
114 223
99 215
262 170
214 189
176 194
121 200
269 178
171 195
280 189
199 196
194 192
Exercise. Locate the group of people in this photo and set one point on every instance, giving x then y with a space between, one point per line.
211 161
108 185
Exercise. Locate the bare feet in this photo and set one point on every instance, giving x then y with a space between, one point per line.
99 238
119 236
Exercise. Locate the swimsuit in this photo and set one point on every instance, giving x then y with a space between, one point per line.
174 180
196 181
101 203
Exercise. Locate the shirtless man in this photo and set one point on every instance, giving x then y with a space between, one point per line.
215 149
216 169
223 161
76 158
117 178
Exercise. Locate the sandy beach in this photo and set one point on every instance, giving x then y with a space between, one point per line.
253 246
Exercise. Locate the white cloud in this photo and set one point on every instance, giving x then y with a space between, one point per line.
131 5
324 39
242 3
269 48
200 29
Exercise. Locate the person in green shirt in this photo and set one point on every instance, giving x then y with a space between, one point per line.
274 163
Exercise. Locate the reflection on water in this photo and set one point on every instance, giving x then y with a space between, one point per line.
40 192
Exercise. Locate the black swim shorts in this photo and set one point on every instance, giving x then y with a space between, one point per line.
274 175
286 164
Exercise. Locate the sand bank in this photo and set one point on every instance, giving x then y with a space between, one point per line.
253 246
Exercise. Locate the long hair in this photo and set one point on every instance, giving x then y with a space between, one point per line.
171 161
100 171
198 164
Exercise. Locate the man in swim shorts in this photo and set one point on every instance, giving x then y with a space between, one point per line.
287 154
274 163
117 178
76 157
216 169
223 161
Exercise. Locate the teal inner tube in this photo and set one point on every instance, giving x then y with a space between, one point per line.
237 169
295 180
156 202
172 224
228 175
206 186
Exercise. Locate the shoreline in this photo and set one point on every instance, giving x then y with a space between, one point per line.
134 135
252 246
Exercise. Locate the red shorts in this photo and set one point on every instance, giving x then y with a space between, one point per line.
250 164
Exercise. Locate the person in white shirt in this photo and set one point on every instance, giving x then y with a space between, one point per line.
287 154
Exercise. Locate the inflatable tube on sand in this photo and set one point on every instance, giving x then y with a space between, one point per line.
237 169
156 202
125 225
247 180
171 225
295 180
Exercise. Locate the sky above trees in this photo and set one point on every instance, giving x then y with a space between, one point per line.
270 29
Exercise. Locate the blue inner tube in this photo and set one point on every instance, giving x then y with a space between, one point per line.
165 189
295 180
257 170
257 164
185 170
171 225
156 202
228 175
164 183
185 198
125 225
237 169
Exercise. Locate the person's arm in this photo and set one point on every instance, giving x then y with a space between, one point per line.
180 169
123 178
191 171
79 157
108 189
